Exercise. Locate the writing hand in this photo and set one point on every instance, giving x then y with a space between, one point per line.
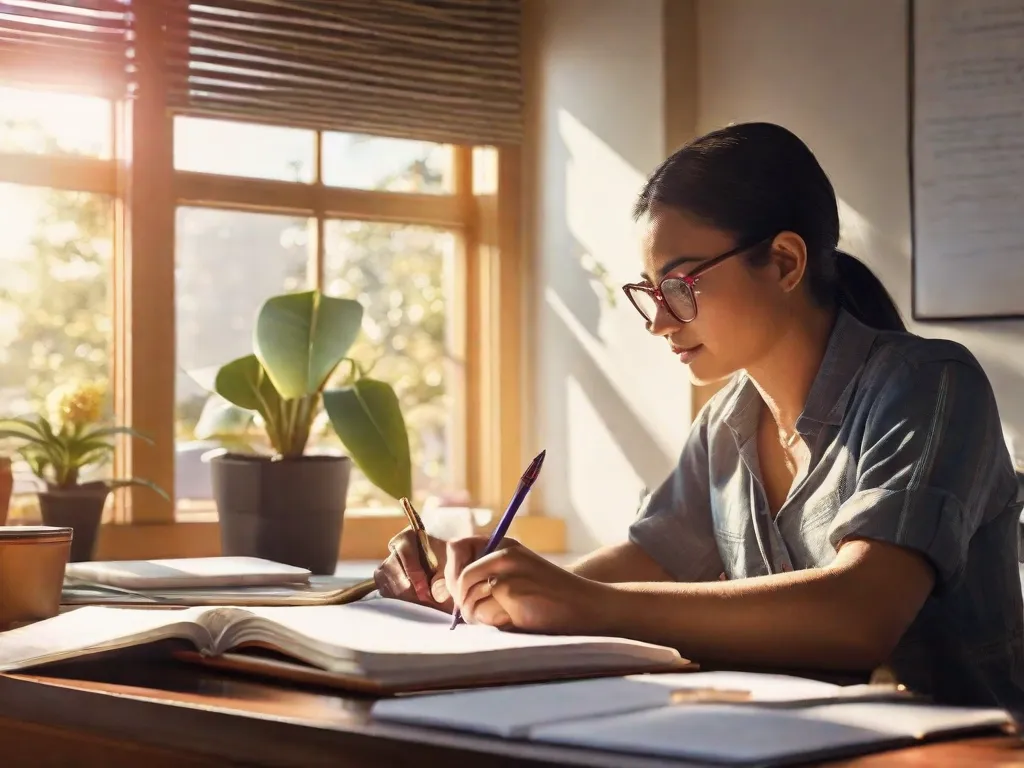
402 576
515 588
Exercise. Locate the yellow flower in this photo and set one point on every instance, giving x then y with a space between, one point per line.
76 405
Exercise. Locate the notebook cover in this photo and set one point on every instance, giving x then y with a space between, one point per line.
170 598
195 572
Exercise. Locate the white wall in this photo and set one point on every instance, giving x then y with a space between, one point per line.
612 408
835 73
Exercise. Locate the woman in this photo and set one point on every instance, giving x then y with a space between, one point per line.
845 501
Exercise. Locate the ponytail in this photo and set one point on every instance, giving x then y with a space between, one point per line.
862 294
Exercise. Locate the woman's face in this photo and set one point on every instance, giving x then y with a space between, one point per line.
741 310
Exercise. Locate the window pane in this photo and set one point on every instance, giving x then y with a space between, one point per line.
40 122
244 149
391 165
401 274
485 171
227 264
55 298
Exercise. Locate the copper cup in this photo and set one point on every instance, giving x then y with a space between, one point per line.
32 563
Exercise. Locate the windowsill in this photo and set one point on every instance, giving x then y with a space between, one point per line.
365 536
207 513
366 532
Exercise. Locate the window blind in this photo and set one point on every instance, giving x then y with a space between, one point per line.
75 44
439 70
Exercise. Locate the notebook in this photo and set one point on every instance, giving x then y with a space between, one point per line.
319 590
375 645
513 711
744 736
192 572
769 720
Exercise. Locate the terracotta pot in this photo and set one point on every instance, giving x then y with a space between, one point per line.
79 508
289 510
6 484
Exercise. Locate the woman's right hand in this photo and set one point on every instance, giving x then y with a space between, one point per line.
402 575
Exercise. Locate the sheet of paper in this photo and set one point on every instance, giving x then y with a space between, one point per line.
512 711
967 137
917 720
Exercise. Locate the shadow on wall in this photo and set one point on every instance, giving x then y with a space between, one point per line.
608 454
605 398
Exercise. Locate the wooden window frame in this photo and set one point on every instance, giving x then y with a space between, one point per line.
489 285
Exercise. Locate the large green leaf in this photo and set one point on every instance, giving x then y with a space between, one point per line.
300 338
245 383
368 419
222 420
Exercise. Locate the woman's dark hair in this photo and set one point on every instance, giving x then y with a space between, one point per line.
755 180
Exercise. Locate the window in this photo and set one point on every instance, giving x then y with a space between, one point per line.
391 165
147 272
57 248
55 296
229 261
227 264
37 122
402 275
244 149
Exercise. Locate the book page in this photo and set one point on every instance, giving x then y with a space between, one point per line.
397 627
396 642
968 157
92 630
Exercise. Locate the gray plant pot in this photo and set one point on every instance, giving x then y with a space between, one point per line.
286 510
79 508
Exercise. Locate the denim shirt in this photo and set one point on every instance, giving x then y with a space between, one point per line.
906 448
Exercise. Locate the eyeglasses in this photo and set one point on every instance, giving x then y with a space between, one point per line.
677 294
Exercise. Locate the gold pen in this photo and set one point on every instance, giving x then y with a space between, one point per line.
427 557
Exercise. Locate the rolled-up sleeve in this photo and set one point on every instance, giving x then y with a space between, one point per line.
927 459
674 524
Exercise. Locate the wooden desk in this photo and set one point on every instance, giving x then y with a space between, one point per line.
166 715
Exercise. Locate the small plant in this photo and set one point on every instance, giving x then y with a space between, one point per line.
299 341
59 445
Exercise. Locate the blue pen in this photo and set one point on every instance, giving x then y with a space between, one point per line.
525 484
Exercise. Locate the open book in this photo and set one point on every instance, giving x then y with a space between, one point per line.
375 645
728 718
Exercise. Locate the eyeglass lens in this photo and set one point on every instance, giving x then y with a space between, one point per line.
678 297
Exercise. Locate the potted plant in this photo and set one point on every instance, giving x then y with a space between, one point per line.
284 503
59 448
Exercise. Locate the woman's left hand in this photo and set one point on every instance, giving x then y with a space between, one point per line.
515 588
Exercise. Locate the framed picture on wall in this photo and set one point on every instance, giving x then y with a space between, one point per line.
966 147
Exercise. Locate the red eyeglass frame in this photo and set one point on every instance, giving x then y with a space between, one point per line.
690 279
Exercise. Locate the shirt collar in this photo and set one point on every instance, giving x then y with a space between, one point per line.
848 348
849 345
